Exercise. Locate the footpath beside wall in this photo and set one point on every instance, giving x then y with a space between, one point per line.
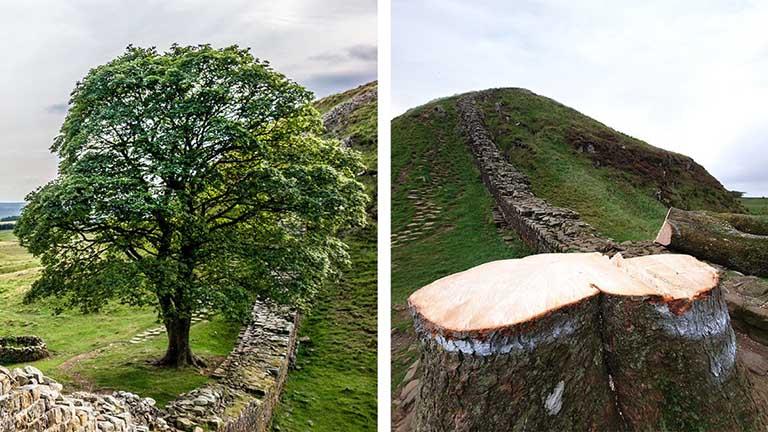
544 227
242 397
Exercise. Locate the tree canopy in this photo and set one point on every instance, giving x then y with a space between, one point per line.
195 178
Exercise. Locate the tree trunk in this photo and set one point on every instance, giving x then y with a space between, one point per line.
673 361
178 315
713 238
519 378
179 352
578 342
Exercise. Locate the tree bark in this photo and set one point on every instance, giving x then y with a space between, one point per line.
177 315
643 344
714 238
544 375
179 352
673 365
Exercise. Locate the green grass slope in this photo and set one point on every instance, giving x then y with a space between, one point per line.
619 184
334 385
431 161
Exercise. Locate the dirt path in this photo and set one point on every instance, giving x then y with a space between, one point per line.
69 367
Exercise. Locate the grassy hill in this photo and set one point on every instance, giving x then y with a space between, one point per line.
442 219
619 184
758 206
334 385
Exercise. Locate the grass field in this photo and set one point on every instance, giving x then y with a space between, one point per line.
91 352
425 145
758 206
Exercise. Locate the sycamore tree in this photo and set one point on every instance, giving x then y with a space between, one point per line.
192 179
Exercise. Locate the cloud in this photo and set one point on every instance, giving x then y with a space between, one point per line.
59 108
743 165
364 53
368 53
51 44
693 79
323 84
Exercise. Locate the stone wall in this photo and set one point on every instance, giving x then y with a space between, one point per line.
543 227
21 349
32 402
249 382
245 390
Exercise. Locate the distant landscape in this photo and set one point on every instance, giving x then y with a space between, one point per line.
754 205
10 209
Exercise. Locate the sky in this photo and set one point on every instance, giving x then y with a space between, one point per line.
47 46
688 76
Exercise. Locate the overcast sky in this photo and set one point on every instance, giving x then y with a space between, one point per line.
46 46
688 76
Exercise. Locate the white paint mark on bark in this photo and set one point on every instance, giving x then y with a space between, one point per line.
722 364
554 401
696 324
505 345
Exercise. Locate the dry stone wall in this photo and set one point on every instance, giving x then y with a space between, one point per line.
20 349
544 227
242 397
249 382
32 402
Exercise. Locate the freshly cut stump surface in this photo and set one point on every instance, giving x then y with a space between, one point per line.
580 342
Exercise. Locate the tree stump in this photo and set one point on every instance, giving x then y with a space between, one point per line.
579 342
714 238
672 350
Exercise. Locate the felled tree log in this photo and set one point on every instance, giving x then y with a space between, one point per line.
555 342
672 350
715 239
750 224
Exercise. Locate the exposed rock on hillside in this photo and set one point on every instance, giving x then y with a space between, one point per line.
351 116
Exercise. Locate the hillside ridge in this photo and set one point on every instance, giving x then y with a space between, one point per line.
619 184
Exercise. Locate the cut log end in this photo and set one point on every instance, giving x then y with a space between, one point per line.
501 294
664 237
669 276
